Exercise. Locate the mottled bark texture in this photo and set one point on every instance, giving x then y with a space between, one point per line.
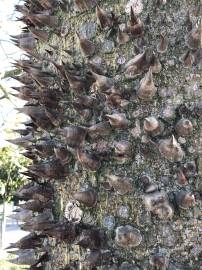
142 183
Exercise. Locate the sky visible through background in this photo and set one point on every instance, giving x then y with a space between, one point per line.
8 53
8 115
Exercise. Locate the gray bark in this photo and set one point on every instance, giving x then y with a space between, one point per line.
178 239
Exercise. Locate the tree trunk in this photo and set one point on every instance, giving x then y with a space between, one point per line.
145 172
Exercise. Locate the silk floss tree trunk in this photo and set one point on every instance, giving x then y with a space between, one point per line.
113 94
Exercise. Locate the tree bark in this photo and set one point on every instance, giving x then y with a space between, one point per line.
166 243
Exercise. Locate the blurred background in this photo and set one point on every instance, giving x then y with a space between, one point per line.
10 161
8 53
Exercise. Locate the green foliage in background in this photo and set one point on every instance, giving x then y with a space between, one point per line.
10 178
5 265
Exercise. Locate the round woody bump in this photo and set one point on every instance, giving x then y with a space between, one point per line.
171 149
184 127
147 89
128 236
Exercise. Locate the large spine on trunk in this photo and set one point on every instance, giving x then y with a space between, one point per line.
113 95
